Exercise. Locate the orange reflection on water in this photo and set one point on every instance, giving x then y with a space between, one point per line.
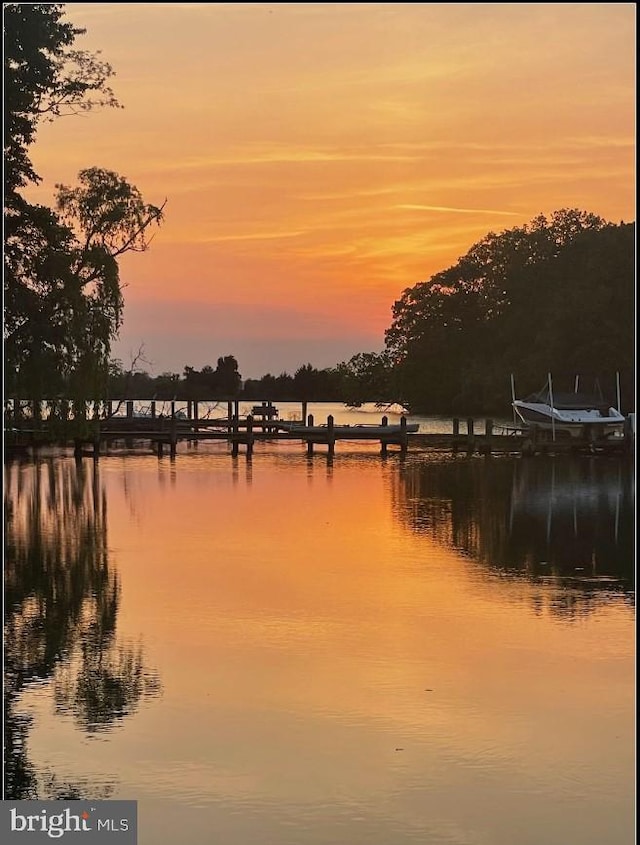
323 663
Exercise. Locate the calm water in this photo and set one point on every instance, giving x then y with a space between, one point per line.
288 651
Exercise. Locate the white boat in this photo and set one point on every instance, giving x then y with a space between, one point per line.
577 414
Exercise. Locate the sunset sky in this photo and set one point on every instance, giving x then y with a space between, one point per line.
318 159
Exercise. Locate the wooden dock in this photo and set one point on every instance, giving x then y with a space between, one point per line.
162 432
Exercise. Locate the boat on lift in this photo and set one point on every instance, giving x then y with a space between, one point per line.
578 414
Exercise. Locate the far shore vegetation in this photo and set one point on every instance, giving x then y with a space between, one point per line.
555 295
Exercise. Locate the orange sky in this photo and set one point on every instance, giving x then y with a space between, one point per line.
318 159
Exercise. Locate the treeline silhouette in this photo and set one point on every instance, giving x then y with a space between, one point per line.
555 295
224 381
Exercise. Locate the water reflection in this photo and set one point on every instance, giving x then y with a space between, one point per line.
565 521
328 675
62 597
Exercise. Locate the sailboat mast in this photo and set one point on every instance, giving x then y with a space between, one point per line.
553 420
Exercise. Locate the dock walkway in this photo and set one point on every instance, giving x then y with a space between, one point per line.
27 428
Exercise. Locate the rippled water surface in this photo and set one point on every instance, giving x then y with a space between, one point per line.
293 651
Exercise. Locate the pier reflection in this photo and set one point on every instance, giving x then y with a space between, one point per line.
567 521
62 597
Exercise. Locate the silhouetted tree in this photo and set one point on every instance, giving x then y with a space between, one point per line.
520 302
63 302
228 379
366 377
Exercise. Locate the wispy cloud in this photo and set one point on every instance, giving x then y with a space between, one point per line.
446 208
250 236
289 155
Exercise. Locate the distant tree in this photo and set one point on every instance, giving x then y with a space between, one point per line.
283 386
208 383
366 377
198 384
166 386
310 383
228 379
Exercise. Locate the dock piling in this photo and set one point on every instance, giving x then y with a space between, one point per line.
310 442
404 439
383 443
471 440
249 436
234 436
488 435
331 437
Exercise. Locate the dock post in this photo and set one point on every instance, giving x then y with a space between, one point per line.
195 428
310 442
160 446
627 432
96 441
331 437
77 448
304 410
153 409
129 408
529 444
236 408
488 436
404 439
173 438
249 436
234 436
383 443
471 440
456 434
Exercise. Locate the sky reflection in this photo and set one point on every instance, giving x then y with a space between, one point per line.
335 669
